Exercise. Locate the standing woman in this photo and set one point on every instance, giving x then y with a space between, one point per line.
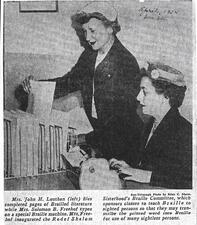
107 75
166 151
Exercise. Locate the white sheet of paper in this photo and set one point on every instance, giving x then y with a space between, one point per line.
79 121
42 94
68 102
60 118
75 158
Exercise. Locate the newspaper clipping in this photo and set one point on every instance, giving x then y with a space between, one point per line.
98 113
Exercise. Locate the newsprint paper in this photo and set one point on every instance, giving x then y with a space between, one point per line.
43 40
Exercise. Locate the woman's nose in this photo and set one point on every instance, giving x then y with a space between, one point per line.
88 36
139 96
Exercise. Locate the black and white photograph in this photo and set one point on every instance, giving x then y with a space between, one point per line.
98 96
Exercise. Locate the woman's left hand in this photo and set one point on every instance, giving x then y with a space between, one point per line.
138 175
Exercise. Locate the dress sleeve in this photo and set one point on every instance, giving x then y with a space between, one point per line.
72 80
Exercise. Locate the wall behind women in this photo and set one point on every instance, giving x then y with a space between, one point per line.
45 45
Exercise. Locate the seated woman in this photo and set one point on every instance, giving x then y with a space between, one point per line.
165 156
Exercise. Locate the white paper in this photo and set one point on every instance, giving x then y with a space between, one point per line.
68 102
42 99
79 121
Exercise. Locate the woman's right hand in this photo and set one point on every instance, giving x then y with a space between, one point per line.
117 164
26 83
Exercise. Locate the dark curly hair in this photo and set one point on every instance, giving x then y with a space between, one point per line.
173 92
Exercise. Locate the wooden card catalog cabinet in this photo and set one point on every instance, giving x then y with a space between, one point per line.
33 147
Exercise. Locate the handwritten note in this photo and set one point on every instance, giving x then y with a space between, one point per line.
156 13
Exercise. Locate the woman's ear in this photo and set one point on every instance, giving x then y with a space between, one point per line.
166 99
165 96
110 30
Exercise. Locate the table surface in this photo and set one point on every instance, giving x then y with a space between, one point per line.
51 181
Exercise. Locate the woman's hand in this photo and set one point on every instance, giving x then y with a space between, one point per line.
116 164
138 175
26 84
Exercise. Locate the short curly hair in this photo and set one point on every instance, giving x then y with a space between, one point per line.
173 92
